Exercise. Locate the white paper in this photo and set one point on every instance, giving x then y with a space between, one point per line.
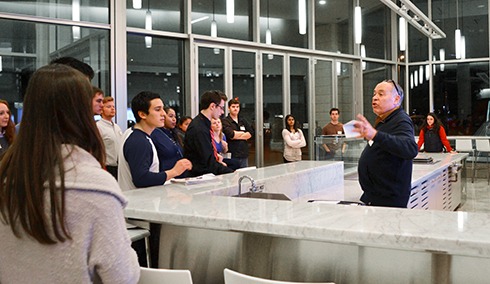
349 129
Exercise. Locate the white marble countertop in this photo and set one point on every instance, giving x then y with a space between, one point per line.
460 233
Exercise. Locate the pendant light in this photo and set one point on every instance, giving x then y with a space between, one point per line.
214 26
137 4
148 26
363 55
1 65
421 74
268 33
75 16
402 26
457 34
302 16
358 24
230 11
442 57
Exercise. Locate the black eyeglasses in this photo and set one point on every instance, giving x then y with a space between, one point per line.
394 85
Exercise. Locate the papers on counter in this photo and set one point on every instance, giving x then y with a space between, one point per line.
195 180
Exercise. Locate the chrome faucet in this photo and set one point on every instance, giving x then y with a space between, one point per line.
253 188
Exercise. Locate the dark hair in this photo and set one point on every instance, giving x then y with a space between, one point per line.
295 126
10 128
233 101
183 119
437 122
334 109
57 115
174 134
142 102
77 64
96 90
209 97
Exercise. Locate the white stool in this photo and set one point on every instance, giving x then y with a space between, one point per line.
136 234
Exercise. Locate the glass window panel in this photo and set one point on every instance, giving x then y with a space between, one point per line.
345 91
204 11
473 23
273 106
461 97
244 89
157 69
299 97
88 10
376 28
419 96
166 15
323 94
334 26
25 46
283 22
211 69
417 45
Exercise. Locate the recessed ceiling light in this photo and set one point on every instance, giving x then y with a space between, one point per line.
322 2
481 6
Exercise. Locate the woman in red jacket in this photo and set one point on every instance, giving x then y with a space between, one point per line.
433 136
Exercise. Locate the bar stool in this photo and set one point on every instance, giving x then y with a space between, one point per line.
136 234
466 146
483 147
164 276
233 277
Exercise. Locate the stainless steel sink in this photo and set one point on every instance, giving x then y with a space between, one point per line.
263 195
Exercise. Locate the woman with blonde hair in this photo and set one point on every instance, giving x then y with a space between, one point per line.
7 127
61 213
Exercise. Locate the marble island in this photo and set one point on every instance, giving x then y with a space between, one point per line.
204 229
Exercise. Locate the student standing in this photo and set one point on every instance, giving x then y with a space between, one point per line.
433 136
198 144
238 131
294 140
111 135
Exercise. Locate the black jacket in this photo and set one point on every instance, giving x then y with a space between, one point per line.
199 150
237 148
385 166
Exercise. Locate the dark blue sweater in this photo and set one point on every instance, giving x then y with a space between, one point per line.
385 166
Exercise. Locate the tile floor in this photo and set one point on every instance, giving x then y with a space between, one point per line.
477 196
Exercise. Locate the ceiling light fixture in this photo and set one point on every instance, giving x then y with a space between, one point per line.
214 26
402 26
442 57
302 16
358 23
268 33
230 11
419 20
457 34
148 26
75 16
363 55
137 4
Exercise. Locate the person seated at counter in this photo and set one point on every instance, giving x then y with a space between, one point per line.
198 143
61 213
386 163
167 143
138 160
433 136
